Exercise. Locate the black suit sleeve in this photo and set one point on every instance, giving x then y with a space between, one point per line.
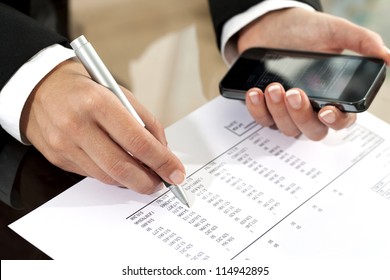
223 10
11 155
21 38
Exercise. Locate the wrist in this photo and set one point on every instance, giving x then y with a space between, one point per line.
255 34
15 93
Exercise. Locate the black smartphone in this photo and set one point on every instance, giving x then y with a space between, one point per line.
349 82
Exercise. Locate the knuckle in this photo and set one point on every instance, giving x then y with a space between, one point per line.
262 117
265 121
291 133
318 136
57 158
139 144
156 124
71 124
57 142
107 179
90 96
57 161
118 170
146 189
344 122
317 133
91 100
167 163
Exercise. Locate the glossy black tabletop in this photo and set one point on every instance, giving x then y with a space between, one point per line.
35 181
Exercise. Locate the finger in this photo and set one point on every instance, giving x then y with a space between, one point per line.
118 164
135 139
85 166
257 107
335 119
151 123
303 116
274 96
68 156
347 35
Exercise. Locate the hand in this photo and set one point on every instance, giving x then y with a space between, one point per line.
300 29
82 127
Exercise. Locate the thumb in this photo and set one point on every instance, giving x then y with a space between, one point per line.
348 35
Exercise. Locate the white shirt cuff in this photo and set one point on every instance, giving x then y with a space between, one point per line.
232 26
14 94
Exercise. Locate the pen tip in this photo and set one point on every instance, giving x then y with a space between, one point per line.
179 194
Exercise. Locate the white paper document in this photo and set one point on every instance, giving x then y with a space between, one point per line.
254 194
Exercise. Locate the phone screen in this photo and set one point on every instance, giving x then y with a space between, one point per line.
321 76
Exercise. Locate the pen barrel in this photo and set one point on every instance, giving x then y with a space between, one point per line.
99 72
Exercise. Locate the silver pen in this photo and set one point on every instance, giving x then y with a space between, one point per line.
100 74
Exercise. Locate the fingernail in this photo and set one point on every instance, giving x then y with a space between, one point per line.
254 97
387 50
294 98
177 177
275 93
328 116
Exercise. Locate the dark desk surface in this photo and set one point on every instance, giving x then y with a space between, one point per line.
36 182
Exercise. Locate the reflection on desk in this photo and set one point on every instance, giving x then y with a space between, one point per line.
32 181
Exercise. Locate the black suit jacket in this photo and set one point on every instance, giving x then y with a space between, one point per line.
21 37
223 10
